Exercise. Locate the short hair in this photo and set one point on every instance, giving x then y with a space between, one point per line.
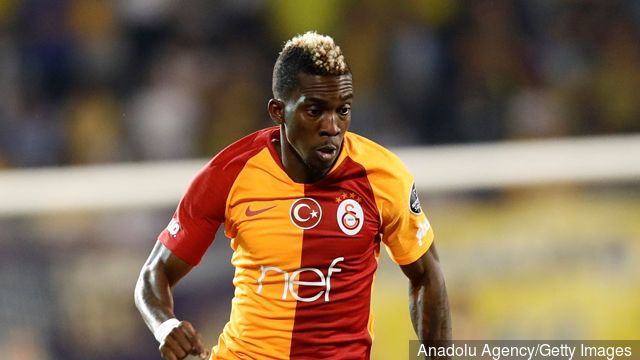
309 53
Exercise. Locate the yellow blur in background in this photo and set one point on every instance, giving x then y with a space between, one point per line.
557 264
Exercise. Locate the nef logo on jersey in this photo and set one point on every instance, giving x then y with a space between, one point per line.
291 280
350 217
305 213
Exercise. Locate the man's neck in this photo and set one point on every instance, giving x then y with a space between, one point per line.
293 165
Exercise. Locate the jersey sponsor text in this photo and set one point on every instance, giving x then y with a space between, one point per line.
290 281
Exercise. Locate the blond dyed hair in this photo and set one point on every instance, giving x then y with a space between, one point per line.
310 53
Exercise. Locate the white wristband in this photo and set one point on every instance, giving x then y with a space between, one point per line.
165 328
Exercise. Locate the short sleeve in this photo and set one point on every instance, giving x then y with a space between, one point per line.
200 212
406 231
202 209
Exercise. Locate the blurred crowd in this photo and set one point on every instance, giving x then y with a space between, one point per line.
95 81
103 81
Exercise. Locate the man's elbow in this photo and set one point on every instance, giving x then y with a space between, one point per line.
142 285
425 271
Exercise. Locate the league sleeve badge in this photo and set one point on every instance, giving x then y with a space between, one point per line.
414 202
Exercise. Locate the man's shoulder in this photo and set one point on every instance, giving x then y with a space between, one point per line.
243 149
389 177
371 154
228 163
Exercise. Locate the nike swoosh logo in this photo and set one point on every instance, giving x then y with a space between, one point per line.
250 212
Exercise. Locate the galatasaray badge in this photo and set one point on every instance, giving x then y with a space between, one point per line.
350 217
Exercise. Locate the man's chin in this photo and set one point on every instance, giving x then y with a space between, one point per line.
320 168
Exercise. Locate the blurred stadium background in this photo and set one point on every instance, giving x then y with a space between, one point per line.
91 89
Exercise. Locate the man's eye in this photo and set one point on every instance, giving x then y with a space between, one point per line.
344 110
315 112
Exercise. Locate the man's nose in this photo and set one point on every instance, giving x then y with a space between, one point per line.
329 126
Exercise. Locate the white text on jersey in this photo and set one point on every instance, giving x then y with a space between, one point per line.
290 280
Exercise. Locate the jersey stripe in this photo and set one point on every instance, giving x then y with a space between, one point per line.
336 325
263 309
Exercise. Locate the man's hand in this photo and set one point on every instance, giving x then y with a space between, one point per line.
181 341
154 299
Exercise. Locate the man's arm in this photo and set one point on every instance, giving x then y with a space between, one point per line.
428 302
154 300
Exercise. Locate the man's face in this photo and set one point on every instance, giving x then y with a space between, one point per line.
316 117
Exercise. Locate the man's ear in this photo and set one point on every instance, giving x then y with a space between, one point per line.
276 111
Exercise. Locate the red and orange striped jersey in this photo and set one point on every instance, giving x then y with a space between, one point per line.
305 255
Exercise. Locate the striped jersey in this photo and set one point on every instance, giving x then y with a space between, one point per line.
305 255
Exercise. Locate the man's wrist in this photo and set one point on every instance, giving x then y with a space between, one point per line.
165 328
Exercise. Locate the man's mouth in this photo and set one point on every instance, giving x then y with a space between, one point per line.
327 152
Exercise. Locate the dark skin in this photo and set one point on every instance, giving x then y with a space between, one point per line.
313 120
154 300
428 300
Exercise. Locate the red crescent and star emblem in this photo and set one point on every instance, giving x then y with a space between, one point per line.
305 213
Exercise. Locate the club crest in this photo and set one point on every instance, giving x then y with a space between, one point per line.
350 217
